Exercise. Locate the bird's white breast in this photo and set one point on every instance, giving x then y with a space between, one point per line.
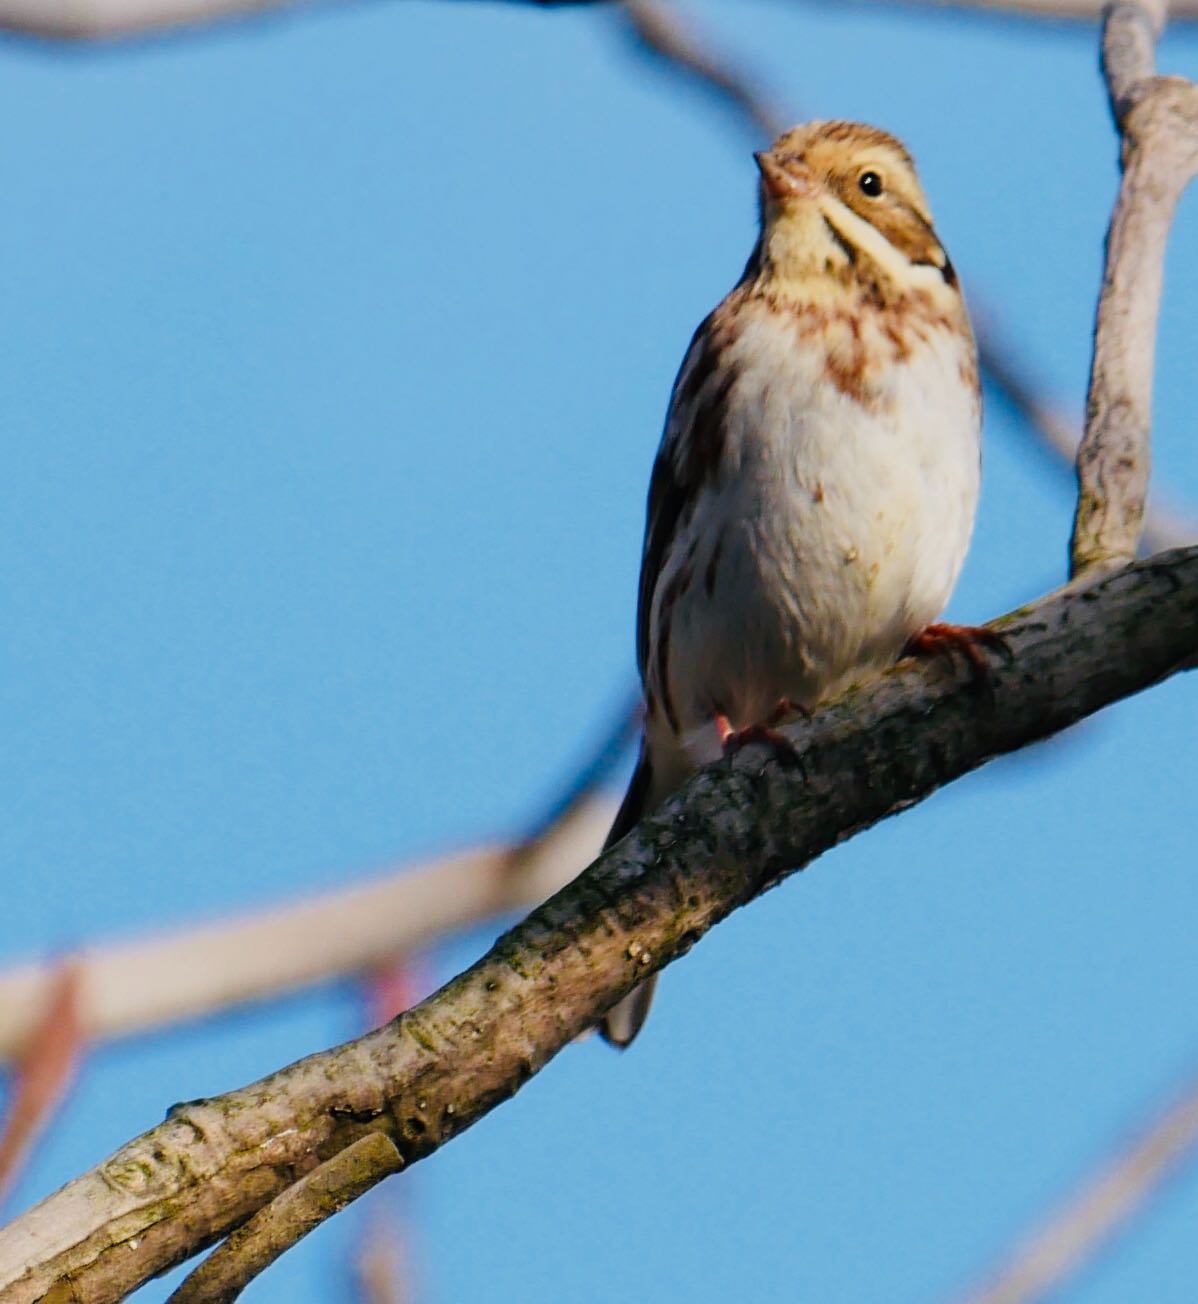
834 532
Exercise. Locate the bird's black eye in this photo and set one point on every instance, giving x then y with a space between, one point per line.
870 183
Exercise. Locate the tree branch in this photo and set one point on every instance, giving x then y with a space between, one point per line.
736 828
288 1218
106 20
1104 1204
659 34
43 1072
1157 119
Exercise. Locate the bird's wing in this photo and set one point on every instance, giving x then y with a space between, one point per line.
687 459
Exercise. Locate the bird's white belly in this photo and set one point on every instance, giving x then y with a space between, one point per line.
836 533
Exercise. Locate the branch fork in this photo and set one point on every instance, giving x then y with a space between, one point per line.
1157 118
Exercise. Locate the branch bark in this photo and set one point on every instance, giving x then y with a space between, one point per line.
1157 118
737 828
300 1209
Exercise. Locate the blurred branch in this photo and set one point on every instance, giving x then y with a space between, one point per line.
380 1266
1076 9
659 33
98 20
1075 1234
735 829
289 1217
133 987
1058 434
103 20
45 1069
623 727
1157 118
140 985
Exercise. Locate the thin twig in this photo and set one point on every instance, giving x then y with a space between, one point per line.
44 1071
381 1268
734 829
614 741
1157 118
660 33
134 987
1058 435
1104 1205
106 20
289 1217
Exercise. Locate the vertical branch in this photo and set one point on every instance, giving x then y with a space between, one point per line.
1157 118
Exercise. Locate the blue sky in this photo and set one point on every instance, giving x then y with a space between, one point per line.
334 356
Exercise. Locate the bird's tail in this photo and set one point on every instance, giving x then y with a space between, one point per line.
625 1019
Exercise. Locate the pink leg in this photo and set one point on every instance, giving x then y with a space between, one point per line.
764 731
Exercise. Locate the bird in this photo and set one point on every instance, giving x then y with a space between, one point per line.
814 492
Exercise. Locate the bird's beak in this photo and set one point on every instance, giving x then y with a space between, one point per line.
791 180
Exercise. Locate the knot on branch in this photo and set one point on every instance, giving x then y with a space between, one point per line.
1162 115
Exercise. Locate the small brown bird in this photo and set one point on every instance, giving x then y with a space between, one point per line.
814 492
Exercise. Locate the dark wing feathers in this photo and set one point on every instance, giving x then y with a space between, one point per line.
667 498
688 458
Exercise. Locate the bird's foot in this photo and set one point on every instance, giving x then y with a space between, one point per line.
966 640
764 731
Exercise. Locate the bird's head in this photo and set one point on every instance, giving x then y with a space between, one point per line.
841 206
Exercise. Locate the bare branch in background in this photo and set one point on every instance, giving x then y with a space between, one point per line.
45 1069
105 20
298 1210
1157 119
623 727
735 829
1058 435
134 987
1074 9
662 35
381 1270
137 986
1086 1223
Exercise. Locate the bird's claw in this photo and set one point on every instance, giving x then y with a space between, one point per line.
764 731
942 639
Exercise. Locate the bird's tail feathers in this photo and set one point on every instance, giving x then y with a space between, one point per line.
624 1020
